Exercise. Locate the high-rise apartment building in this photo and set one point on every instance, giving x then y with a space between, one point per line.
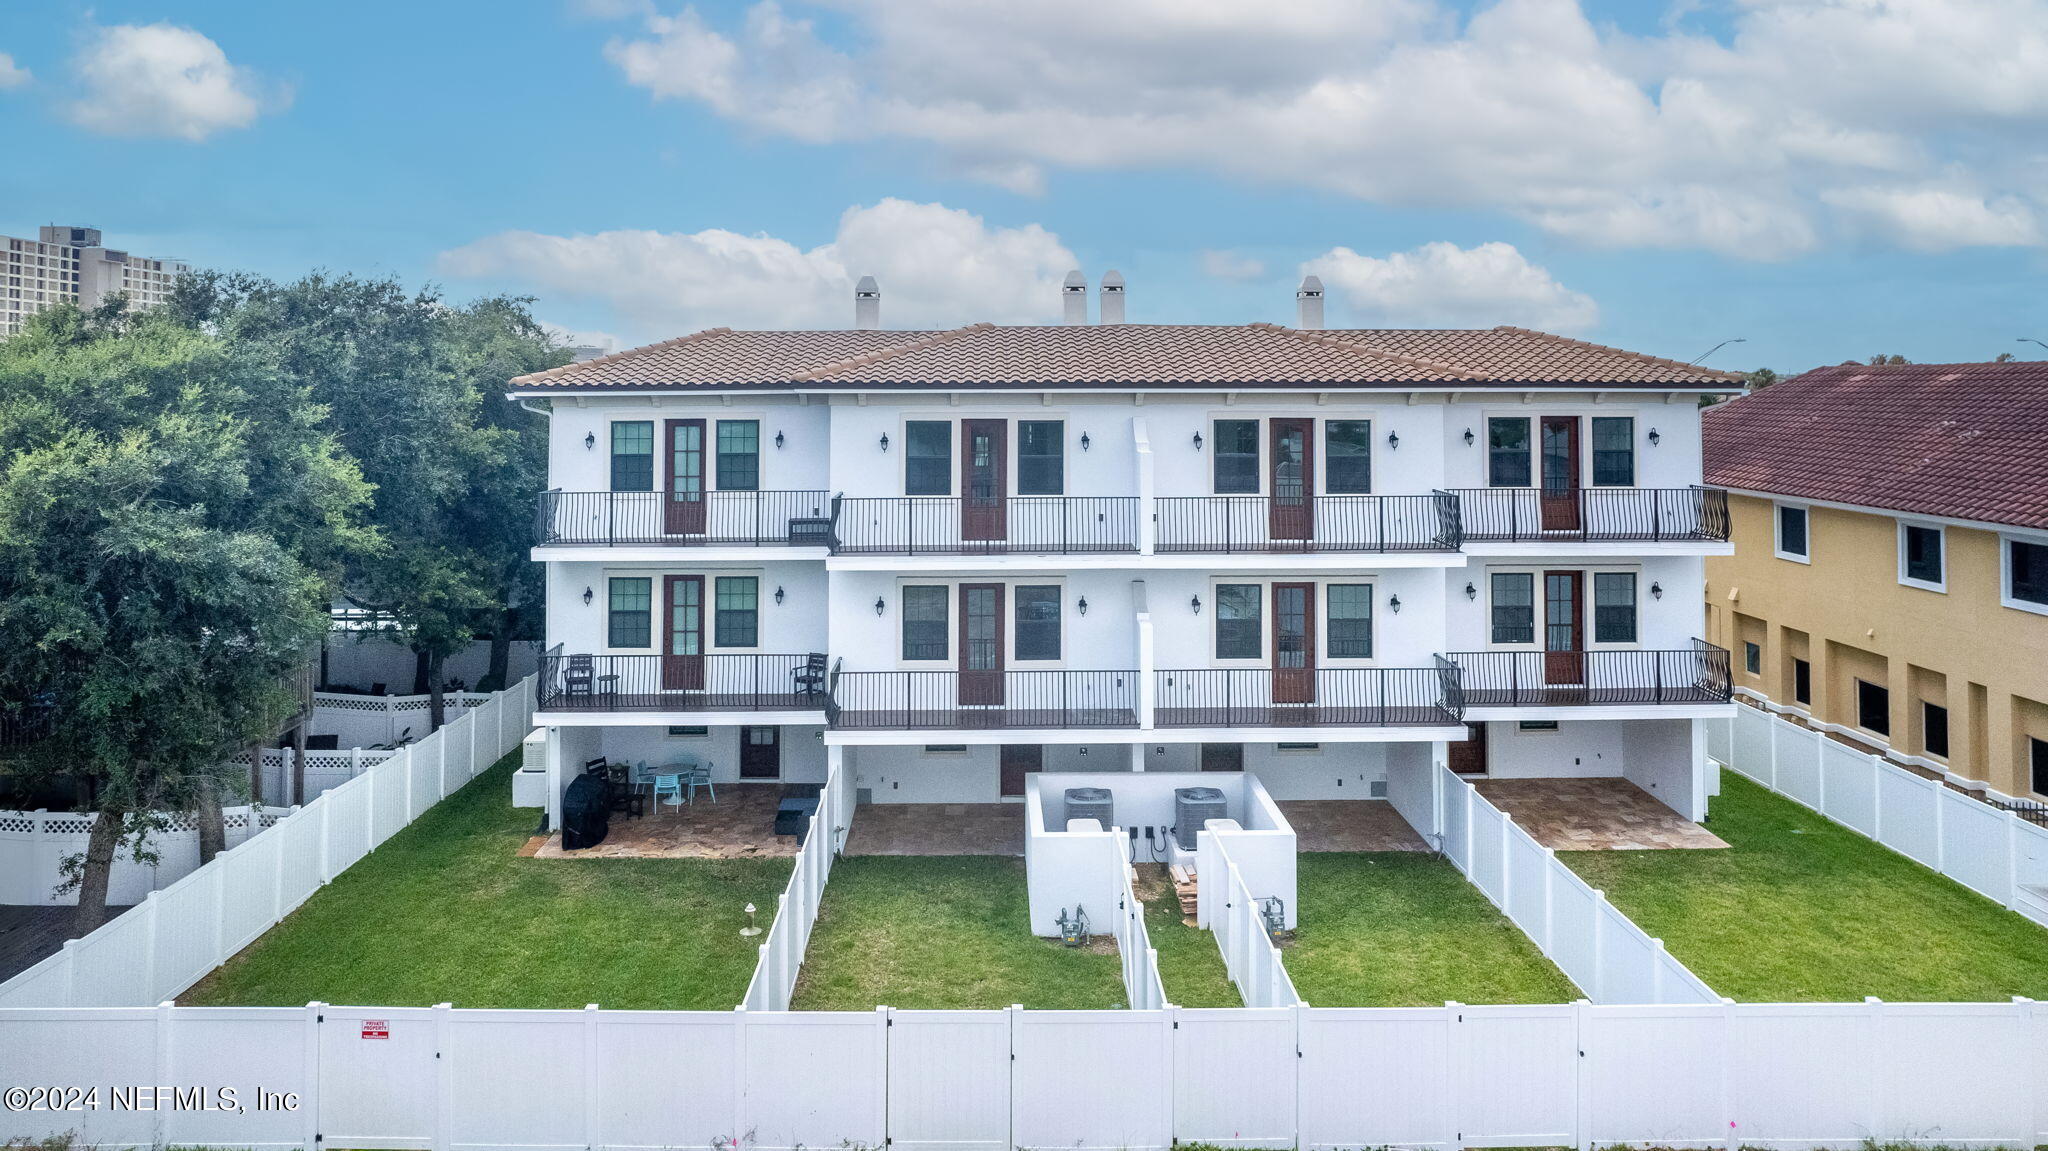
65 263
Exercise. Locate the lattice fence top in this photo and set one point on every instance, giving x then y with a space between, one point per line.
17 822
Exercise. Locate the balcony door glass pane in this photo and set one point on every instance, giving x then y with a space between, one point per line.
1348 456
739 455
1514 607
1238 631
633 456
1290 627
1507 452
1041 457
1236 444
1038 622
924 622
928 458
1614 607
1560 612
1614 451
1350 623
631 604
738 619
686 617
982 628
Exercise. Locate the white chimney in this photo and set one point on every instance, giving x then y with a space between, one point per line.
1074 298
867 304
1111 309
1308 304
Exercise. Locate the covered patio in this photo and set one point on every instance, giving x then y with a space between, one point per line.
738 824
1594 815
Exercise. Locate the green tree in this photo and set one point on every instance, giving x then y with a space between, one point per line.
172 518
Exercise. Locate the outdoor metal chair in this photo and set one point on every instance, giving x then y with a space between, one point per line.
810 678
696 777
577 676
668 791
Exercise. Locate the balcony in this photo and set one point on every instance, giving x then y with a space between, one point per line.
1599 515
984 701
678 683
1268 524
1310 697
1698 674
702 519
1007 525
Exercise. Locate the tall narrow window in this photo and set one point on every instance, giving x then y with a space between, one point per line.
1507 451
2037 754
633 456
1614 607
1348 455
1514 607
1238 612
631 604
1802 682
2027 572
1920 555
1934 729
924 622
738 601
928 458
739 455
1237 457
1041 457
1753 658
1873 707
1350 623
1792 533
1614 451
1038 622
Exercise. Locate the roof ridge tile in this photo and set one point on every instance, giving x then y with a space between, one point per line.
1643 357
1356 348
868 359
608 357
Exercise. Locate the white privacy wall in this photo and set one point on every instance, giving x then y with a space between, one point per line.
34 845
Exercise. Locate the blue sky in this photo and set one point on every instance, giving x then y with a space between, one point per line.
1656 178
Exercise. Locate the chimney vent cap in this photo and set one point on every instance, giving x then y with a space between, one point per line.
1112 281
1310 286
1075 282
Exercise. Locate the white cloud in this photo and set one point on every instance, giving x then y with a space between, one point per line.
1444 286
568 337
1674 139
164 80
12 75
937 266
1935 219
1232 266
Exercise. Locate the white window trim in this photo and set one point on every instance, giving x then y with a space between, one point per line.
1778 508
1940 533
1321 622
951 660
1589 593
658 609
2005 596
1069 443
1638 439
659 417
1318 431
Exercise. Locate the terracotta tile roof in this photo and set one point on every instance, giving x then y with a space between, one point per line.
1965 441
1122 355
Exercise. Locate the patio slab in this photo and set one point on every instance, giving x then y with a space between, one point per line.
937 829
1595 815
739 824
1349 825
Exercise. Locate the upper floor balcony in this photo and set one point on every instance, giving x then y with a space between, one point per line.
991 700
1621 677
684 519
1593 515
1229 525
986 525
604 684
1306 696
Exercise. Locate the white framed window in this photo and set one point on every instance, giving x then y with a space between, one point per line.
1034 621
1522 606
1923 556
1792 533
2023 573
1245 612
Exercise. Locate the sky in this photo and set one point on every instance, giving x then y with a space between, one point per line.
1821 180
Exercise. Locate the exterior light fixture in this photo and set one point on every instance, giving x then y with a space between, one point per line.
778 593
1469 437
588 595
589 440
1655 439
1471 591
1656 590
880 607
1394 604
1082 605
1394 440
1198 441
778 441
1195 605
1084 441
885 441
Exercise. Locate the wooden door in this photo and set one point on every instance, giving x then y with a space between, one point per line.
1468 755
685 478
981 644
1292 480
1294 643
1222 757
1564 627
760 753
682 650
984 479
1558 459
1017 761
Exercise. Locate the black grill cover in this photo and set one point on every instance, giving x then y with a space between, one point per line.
585 814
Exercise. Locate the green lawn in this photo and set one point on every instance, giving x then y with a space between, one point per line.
446 911
943 932
1404 929
1803 909
1190 965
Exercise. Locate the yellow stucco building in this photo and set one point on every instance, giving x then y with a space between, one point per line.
1890 575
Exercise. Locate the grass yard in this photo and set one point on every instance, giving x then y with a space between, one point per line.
446 911
1802 909
942 932
1190 965
1404 929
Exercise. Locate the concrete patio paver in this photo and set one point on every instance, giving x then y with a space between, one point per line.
1594 815
1349 825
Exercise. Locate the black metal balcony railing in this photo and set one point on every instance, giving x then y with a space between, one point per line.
1027 525
1317 697
682 683
618 519
1493 515
1409 523
1698 674
985 701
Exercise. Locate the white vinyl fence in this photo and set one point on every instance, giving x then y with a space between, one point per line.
1597 947
1796 1077
796 909
1990 851
175 936
1143 989
34 845
369 720
324 769
1236 919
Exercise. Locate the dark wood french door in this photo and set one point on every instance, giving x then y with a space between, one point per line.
1564 627
984 479
1558 460
1468 755
1294 643
760 753
1291 511
682 644
684 507
981 644
1019 760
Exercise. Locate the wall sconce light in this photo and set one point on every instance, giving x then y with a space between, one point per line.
1195 605
588 595
778 441
1656 590
778 593
1471 591
1082 605
880 607
1394 441
885 441
1655 439
1198 441
1084 441
589 440
1469 437
1394 603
